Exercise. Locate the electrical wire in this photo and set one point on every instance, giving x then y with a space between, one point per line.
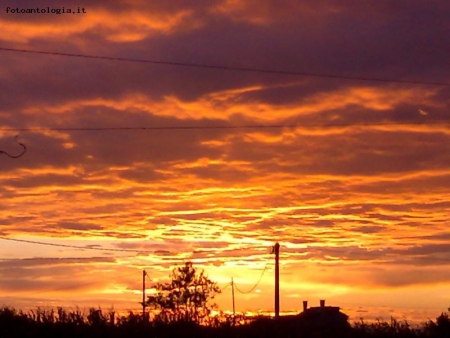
229 283
70 287
84 248
254 286
273 126
227 68
120 250
223 288
147 276
54 259
74 246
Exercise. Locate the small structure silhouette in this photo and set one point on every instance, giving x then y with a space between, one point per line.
320 321
323 316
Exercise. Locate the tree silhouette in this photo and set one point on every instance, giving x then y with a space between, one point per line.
185 298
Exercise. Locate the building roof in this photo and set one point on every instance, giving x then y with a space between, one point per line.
325 315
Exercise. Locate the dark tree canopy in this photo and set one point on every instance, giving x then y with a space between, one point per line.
186 297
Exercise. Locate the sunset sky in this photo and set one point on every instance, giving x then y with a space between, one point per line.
336 145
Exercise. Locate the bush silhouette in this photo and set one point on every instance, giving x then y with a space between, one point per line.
71 324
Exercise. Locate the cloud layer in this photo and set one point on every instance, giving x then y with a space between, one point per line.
351 177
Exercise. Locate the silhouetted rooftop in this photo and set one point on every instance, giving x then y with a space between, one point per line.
324 315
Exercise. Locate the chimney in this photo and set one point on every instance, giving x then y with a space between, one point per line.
322 303
305 305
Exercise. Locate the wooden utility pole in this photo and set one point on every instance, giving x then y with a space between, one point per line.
232 295
276 250
143 294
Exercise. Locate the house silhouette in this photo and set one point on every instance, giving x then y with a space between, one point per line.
320 321
329 316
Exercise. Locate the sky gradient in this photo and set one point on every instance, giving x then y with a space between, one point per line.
352 178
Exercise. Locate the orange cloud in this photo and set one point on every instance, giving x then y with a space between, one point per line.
127 26
226 104
258 13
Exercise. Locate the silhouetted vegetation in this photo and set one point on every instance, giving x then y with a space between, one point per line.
181 308
186 298
96 323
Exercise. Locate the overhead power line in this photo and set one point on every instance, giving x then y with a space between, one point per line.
273 126
223 288
256 284
74 246
79 285
228 68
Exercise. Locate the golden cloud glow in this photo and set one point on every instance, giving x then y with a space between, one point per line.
223 105
133 166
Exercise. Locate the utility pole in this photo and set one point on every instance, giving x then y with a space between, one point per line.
276 250
143 294
232 295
